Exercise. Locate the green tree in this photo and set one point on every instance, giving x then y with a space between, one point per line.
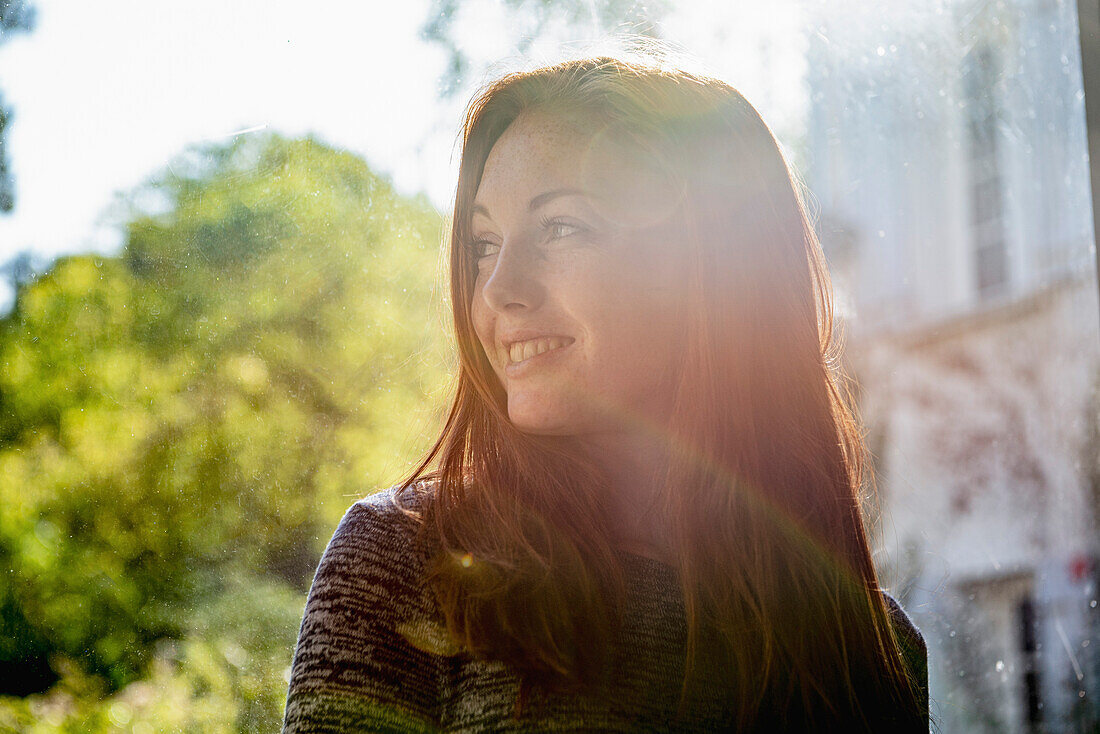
185 423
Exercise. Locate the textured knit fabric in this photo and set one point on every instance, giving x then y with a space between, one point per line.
373 656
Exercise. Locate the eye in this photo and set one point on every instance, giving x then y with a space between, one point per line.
560 228
483 248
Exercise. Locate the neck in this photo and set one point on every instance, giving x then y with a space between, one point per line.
635 465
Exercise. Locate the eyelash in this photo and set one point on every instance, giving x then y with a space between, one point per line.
549 222
478 246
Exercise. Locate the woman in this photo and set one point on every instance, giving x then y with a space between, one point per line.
642 512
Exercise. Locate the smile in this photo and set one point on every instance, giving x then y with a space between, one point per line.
525 350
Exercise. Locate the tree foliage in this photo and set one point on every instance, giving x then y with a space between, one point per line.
181 426
15 16
534 19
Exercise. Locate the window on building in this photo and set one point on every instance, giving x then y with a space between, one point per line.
1029 650
986 188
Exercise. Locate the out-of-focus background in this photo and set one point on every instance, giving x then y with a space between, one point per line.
222 319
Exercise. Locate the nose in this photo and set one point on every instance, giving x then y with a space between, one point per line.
514 282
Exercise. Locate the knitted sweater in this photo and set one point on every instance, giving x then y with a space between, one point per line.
373 655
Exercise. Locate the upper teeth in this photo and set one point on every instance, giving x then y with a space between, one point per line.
525 350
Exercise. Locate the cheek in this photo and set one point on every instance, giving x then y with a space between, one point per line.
643 317
481 317
482 332
648 288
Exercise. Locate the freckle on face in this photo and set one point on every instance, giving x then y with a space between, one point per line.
612 291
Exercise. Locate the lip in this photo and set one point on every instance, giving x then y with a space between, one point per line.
522 335
519 369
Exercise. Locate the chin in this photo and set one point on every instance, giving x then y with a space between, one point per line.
540 425
537 428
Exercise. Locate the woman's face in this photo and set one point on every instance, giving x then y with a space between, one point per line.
577 290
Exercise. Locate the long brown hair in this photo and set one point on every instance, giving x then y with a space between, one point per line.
762 495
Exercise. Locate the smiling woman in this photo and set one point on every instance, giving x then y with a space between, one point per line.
554 265
642 513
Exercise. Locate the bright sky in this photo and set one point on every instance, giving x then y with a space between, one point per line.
104 94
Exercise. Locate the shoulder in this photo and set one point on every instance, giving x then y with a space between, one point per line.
375 560
374 529
913 648
907 631
362 654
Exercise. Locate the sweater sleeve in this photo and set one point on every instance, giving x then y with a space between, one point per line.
354 670
913 648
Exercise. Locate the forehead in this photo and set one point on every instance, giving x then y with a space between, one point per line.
535 151
540 152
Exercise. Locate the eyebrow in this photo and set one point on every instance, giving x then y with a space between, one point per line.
539 201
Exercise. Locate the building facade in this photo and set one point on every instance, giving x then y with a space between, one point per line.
947 161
